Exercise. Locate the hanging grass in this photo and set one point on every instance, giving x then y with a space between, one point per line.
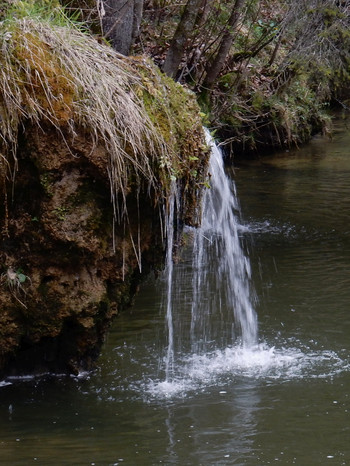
54 73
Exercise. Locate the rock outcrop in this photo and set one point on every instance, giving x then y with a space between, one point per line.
87 158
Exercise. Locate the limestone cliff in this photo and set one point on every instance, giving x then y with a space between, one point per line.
90 142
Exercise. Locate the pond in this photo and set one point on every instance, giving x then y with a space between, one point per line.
284 400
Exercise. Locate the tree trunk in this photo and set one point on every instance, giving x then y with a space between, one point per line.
138 11
181 36
118 24
203 12
275 50
225 45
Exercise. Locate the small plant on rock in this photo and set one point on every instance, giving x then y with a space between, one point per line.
14 280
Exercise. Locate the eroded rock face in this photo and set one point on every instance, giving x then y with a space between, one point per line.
65 270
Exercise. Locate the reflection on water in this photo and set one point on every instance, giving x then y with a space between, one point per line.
286 401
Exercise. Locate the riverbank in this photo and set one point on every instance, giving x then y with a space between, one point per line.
287 65
91 144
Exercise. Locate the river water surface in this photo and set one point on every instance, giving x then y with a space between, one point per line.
285 401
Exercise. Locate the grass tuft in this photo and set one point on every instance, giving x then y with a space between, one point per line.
57 74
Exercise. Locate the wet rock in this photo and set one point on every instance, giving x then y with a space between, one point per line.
66 271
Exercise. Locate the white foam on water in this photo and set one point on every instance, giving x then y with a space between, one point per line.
4 383
23 378
13 379
224 367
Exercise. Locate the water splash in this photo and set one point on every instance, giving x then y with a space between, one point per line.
221 369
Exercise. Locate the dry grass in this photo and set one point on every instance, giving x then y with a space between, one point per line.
60 75
52 72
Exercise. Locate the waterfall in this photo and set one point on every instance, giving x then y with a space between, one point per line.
211 323
221 309
217 244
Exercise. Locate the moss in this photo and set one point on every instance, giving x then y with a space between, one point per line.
262 118
176 115
52 85
95 125
150 125
61 212
258 101
46 181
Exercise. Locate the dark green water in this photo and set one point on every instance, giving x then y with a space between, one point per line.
285 403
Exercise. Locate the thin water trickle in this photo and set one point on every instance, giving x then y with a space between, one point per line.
170 231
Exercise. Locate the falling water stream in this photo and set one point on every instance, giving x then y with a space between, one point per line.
169 268
185 378
221 310
217 241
